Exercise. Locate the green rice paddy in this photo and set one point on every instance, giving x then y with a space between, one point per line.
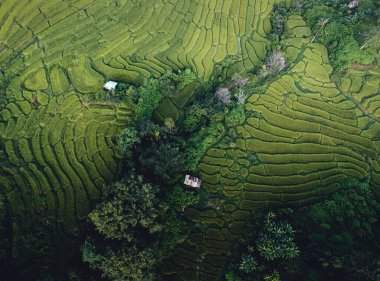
301 139
57 148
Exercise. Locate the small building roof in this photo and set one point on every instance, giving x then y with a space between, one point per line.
353 4
192 181
110 85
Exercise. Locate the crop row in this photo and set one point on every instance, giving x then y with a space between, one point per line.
60 161
165 35
301 139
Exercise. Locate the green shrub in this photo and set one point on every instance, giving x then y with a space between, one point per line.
165 160
275 276
3 241
179 198
168 83
196 117
149 98
185 78
127 139
343 31
315 12
231 276
171 83
120 87
348 52
277 240
199 144
333 32
248 264
129 208
127 263
167 109
89 253
371 38
235 116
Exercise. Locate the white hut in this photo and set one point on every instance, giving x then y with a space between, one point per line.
110 85
353 4
192 181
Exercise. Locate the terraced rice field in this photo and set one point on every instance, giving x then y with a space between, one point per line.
301 139
58 149
131 39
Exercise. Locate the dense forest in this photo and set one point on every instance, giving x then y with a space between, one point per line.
177 119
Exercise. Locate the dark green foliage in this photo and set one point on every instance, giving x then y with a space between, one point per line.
337 240
231 276
248 264
274 276
126 264
2 91
199 144
333 33
148 129
185 95
36 252
139 223
89 253
179 199
129 218
176 229
129 264
121 87
149 97
349 52
160 154
365 11
267 241
127 139
196 117
36 256
221 71
167 109
344 32
126 94
217 105
42 253
371 38
3 212
128 209
4 243
166 160
185 78
278 19
139 229
339 236
354 209
276 240
235 116
171 83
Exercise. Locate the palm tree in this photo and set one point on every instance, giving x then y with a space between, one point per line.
322 23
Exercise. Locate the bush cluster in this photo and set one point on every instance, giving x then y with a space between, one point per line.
347 31
335 239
